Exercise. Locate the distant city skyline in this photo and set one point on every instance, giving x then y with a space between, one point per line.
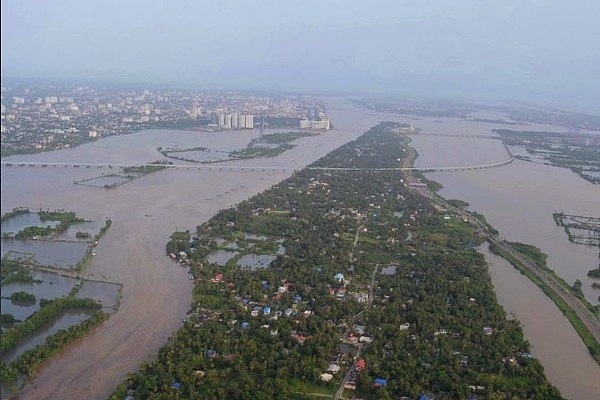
531 51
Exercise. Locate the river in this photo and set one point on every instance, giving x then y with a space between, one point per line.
156 291
518 199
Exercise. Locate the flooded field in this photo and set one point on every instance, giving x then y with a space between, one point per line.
65 321
57 254
255 261
107 293
47 286
90 227
107 181
220 257
19 222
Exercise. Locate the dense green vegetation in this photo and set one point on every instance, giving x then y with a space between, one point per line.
458 203
365 258
146 169
7 318
532 252
22 297
82 235
594 273
14 270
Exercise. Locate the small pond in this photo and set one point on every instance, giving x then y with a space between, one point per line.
220 257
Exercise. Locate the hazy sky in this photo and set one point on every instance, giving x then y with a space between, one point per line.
521 49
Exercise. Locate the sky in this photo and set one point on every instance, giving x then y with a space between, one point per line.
523 50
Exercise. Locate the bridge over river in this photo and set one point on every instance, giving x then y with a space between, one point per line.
242 168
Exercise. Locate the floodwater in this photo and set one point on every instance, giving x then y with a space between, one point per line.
107 293
220 257
90 227
155 294
63 255
68 319
19 222
549 343
518 199
52 286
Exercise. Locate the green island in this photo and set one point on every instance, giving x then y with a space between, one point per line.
558 149
269 145
373 291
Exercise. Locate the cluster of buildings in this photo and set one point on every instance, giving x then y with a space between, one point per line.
39 118
236 121
323 124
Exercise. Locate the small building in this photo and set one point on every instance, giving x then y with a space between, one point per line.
379 382
360 364
325 377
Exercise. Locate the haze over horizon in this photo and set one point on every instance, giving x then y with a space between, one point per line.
538 51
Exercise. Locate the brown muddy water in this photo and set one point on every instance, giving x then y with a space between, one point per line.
156 292
518 199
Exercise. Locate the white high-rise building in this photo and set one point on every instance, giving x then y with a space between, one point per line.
249 121
236 120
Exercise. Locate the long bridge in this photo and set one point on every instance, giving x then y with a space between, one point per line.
242 168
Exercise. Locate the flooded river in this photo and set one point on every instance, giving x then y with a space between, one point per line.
156 292
518 199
